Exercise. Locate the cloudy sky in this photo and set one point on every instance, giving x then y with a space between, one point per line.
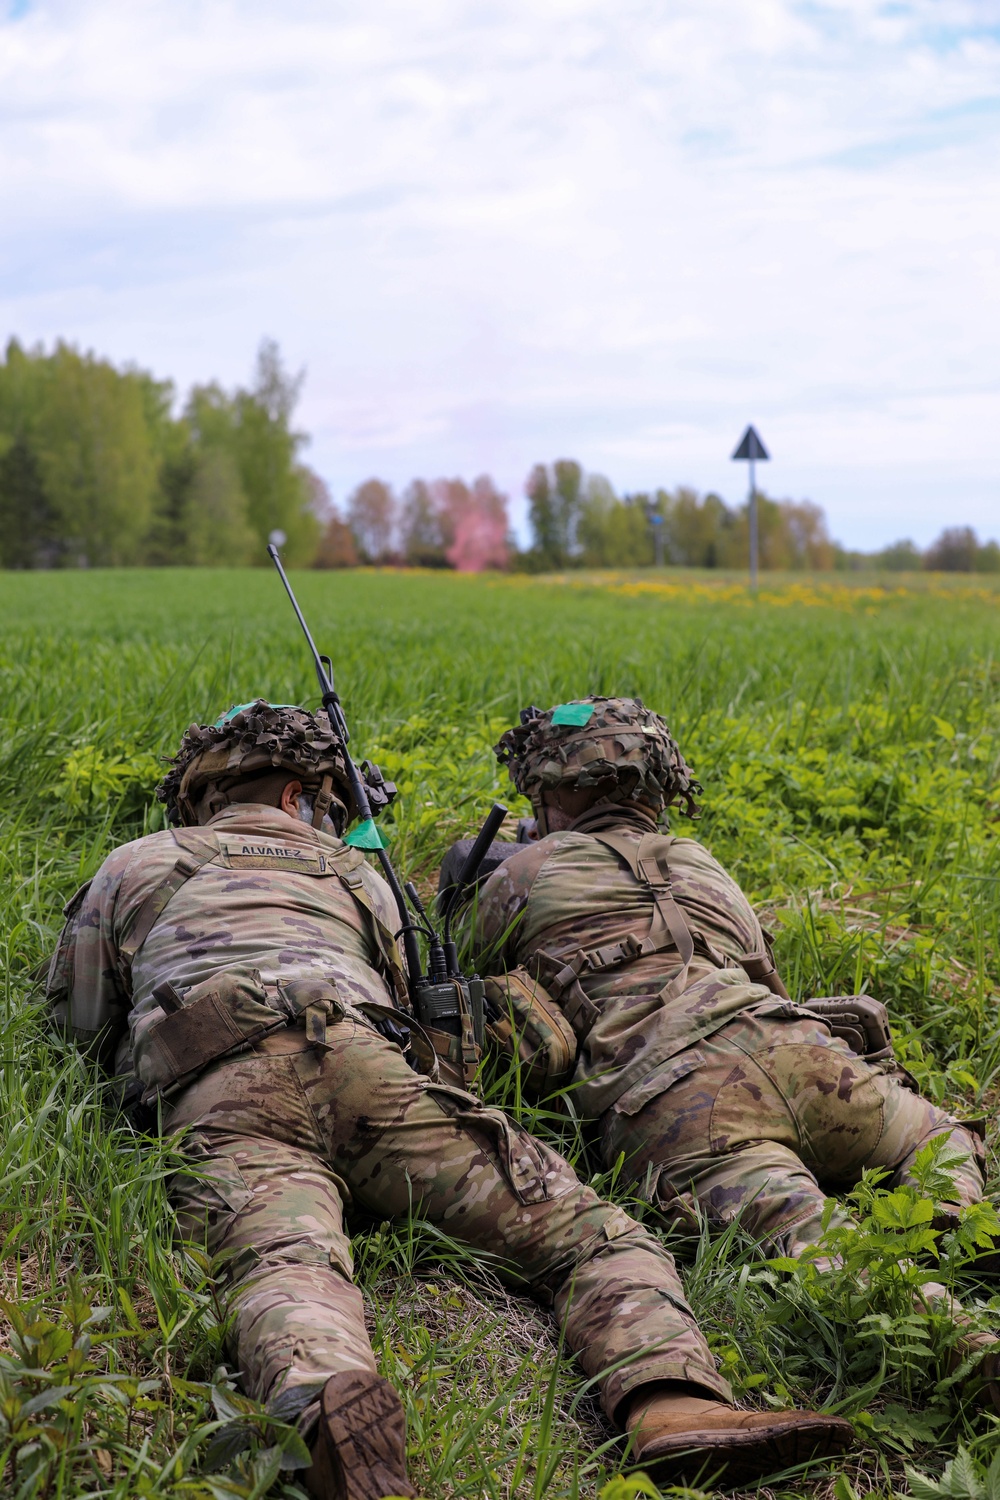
498 231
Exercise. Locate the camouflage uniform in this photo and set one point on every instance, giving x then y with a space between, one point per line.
717 1093
293 1130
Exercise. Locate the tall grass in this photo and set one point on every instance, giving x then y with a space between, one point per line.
851 763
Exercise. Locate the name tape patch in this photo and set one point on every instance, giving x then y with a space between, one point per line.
272 854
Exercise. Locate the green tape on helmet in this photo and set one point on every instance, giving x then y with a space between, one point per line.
617 746
573 713
366 836
239 708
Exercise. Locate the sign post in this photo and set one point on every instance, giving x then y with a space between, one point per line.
751 449
656 521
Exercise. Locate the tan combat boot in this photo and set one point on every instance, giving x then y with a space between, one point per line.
360 1448
676 1436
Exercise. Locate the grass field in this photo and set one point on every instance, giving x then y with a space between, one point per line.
847 738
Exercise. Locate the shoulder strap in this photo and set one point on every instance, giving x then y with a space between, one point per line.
668 929
385 940
198 847
669 926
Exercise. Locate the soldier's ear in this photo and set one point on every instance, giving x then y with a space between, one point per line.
290 798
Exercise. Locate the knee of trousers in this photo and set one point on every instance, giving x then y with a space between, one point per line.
600 1230
910 1121
293 1324
294 1257
762 1183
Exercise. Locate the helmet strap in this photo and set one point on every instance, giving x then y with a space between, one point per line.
211 803
323 799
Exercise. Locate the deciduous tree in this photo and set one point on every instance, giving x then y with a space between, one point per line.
371 515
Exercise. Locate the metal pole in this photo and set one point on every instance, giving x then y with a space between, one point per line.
753 527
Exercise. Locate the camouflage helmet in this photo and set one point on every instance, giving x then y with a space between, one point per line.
252 739
594 741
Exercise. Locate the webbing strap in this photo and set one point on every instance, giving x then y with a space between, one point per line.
384 939
669 928
323 800
198 848
577 1006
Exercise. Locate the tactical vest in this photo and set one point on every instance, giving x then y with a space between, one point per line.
669 930
228 1013
859 1020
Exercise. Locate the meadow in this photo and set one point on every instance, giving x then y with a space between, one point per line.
847 740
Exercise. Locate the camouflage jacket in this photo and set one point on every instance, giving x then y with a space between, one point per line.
567 893
271 898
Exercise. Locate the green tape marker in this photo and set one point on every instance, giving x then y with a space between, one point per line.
573 713
366 836
238 708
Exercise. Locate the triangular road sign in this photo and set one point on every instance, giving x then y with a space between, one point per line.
751 446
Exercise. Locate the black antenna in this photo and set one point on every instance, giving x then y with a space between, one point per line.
335 714
437 967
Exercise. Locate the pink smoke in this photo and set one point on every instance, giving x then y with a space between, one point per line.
480 542
477 521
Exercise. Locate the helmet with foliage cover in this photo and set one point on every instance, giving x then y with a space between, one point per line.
254 746
615 745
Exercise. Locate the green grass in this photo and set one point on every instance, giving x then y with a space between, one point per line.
848 744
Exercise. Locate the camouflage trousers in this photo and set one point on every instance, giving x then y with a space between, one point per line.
768 1116
283 1139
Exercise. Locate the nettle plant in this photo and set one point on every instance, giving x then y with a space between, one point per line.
880 1292
72 1423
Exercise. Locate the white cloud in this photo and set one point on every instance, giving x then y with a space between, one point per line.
498 232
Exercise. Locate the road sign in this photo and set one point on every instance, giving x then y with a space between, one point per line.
751 449
751 446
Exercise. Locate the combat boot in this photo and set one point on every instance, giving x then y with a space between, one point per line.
678 1437
360 1448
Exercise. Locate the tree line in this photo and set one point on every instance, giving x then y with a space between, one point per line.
96 469
100 466
577 520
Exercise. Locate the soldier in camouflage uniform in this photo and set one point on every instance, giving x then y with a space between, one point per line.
242 970
720 1094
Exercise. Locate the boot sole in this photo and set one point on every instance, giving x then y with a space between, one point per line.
364 1438
737 1457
